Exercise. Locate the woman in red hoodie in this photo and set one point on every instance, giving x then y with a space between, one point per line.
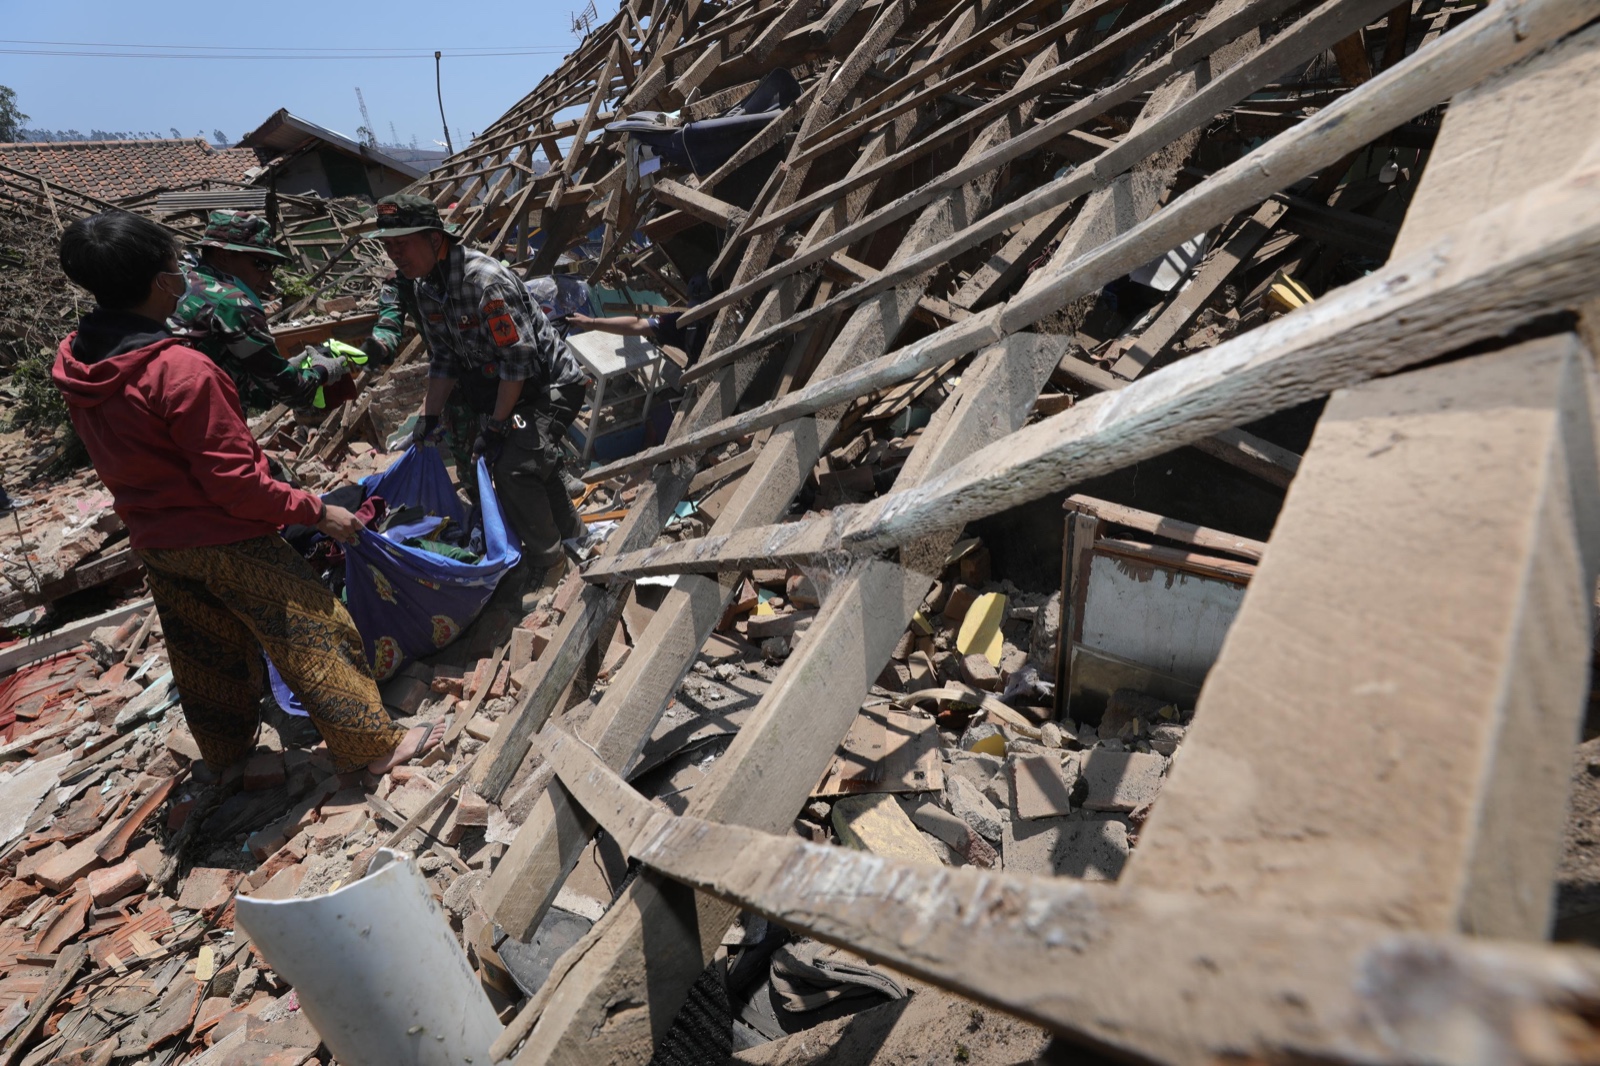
164 428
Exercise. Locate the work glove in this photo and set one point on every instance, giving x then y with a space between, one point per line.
324 364
426 431
490 437
377 355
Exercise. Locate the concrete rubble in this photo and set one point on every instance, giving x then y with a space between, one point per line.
1015 263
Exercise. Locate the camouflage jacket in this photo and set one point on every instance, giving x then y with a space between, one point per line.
391 325
221 317
481 328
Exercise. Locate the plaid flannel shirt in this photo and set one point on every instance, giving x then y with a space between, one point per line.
481 323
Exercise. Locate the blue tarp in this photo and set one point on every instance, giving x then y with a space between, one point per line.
408 602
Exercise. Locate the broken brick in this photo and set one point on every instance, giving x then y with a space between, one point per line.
264 770
114 882
962 597
62 870
208 888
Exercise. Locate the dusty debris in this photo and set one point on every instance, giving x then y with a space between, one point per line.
1013 696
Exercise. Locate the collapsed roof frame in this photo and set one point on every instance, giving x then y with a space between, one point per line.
1290 969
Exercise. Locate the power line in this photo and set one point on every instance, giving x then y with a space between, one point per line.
343 57
468 50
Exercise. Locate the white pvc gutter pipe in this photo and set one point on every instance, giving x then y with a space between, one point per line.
377 970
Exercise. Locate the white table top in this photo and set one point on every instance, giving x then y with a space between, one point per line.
607 355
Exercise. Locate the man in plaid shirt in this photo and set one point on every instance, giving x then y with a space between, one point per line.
498 375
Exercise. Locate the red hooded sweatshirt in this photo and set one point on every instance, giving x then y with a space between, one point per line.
167 436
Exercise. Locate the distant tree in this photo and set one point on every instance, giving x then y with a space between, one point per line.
11 119
175 134
220 138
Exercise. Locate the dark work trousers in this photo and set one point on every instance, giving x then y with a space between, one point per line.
527 474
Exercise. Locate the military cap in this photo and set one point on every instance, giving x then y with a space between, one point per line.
403 213
237 231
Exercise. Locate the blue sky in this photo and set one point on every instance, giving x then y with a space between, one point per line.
237 94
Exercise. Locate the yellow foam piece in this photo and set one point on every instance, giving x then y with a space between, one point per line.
980 629
994 744
876 823
763 609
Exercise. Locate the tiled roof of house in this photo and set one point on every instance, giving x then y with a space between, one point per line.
112 170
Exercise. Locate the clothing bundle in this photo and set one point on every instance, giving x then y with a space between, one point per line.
424 567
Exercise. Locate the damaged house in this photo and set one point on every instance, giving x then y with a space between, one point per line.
1112 577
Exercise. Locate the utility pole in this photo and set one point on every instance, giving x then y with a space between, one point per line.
438 88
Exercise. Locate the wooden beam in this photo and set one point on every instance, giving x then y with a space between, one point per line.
782 751
595 612
86 575
1486 42
515 877
1302 41
896 92
552 839
1093 961
554 834
1453 63
1168 528
67 637
1178 559
1543 247
701 205
1468 635
1192 296
607 65
842 652
1247 16
770 137
1547 107
788 181
1266 460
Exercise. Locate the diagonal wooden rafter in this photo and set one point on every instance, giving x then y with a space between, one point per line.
1541 247
1490 40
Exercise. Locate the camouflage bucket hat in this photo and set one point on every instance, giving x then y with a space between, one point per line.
403 213
239 232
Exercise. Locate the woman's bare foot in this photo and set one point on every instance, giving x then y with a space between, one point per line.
417 741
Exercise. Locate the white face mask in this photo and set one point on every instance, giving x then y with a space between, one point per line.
183 285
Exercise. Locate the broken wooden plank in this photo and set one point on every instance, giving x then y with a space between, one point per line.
1473 632
1076 957
1266 460
67 637
1238 248
68 963
1307 37
701 205
1484 43
1543 247
1168 528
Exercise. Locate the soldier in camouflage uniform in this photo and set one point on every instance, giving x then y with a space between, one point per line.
221 314
499 375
